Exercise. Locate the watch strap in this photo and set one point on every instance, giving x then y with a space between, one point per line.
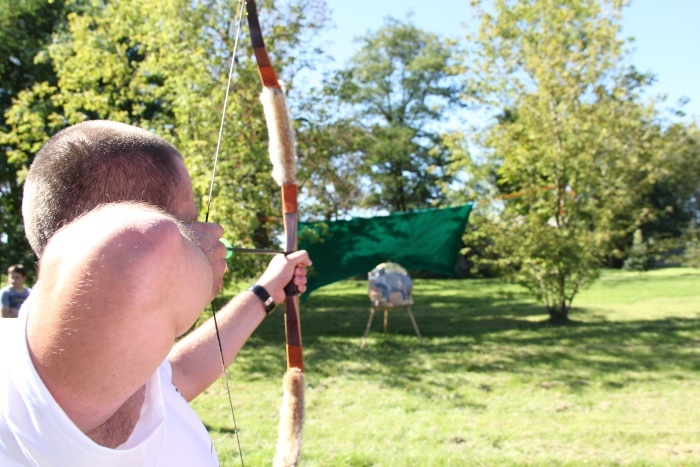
264 297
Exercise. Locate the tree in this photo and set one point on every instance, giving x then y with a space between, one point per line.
572 148
399 86
638 257
163 65
675 196
25 30
332 166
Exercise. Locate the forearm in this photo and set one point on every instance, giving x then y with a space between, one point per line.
196 360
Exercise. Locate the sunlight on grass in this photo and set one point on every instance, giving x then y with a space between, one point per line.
493 384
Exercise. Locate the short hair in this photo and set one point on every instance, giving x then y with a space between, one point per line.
93 163
18 268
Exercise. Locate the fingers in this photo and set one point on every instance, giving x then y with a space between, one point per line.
284 269
300 257
299 277
205 229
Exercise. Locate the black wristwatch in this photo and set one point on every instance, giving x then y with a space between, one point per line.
264 297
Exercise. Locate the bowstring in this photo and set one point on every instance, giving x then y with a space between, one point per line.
241 4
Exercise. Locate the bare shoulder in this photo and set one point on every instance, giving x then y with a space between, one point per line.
107 306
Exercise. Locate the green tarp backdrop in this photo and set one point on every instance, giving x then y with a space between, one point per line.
427 240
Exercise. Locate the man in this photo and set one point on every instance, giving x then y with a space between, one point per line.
14 295
100 378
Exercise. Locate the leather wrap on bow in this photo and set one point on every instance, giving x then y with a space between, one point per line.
283 157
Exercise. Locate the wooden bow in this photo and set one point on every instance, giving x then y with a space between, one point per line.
283 157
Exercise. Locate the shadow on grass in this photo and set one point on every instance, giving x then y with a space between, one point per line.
496 330
220 429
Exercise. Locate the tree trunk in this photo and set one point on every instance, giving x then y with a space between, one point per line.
558 314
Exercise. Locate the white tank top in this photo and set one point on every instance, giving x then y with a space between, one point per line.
34 430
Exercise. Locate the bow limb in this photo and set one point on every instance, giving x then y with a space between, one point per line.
283 156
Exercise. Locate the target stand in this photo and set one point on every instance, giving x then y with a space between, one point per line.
386 321
390 288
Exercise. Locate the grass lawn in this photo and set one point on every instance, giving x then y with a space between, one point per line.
492 384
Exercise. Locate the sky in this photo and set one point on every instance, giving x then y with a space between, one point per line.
667 37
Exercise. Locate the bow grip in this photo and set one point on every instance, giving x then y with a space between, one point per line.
291 289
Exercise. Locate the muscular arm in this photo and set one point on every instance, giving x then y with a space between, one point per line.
116 287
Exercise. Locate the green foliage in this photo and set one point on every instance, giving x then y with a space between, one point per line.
492 383
572 152
692 255
692 248
25 29
573 148
638 257
163 66
331 167
675 199
398 86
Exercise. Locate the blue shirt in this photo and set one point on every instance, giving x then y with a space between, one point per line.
12 298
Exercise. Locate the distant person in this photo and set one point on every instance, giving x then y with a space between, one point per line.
14 295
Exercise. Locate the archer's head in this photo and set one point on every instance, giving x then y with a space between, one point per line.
94 163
